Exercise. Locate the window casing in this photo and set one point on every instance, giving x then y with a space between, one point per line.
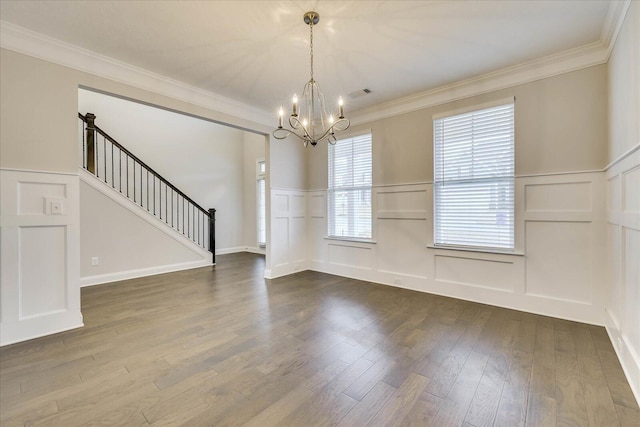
474 170
349 193
261 204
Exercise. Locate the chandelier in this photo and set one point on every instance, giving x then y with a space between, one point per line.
309 120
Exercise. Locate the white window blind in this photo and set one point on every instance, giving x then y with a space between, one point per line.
474 178
350 179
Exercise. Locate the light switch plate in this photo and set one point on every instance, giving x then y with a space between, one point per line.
57 207
54 206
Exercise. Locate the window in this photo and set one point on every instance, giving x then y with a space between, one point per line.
262 207
474 178
349 194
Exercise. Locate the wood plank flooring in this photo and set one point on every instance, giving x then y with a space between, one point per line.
224 347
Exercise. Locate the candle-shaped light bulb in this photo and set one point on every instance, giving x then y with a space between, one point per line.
280 115
340 108
330 120
304 122
295 106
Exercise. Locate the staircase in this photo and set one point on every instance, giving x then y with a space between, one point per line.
124 172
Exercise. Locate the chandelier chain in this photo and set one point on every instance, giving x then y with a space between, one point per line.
311 47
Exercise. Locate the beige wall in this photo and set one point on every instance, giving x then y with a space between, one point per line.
561 126
39 104
38 101
123 242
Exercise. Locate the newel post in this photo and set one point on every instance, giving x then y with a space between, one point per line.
91 165
212 233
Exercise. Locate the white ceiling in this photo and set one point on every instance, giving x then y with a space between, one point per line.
256 52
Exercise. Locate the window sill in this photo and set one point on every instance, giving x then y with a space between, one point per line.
351 239
479 250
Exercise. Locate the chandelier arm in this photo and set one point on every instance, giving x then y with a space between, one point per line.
331 129
341 121
288 132
295 123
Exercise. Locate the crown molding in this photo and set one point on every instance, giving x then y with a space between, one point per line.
612 23
31 43
563 62
22 40
595 53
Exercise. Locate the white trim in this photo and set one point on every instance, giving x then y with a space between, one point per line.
613 23
535 175
480 250
12 332
622 157
22 40
477 107
350 240
128 204
559 63
285 189
236 249
629 360
141 272
254 250
231 250
39 171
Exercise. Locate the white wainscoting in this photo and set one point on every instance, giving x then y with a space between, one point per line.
288 232
40 253
623 263
556 269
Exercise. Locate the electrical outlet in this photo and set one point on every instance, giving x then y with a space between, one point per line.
95 261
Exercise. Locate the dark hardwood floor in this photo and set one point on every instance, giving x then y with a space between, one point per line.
224 347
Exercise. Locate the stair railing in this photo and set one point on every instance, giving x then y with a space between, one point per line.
124 172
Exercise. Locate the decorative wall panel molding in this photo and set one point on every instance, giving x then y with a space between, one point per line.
562 278
623 263
40 245
288 232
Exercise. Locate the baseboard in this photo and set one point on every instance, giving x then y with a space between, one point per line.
142 272
629 360
141 213
254 250
231 250
36 327
237 249
561 309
